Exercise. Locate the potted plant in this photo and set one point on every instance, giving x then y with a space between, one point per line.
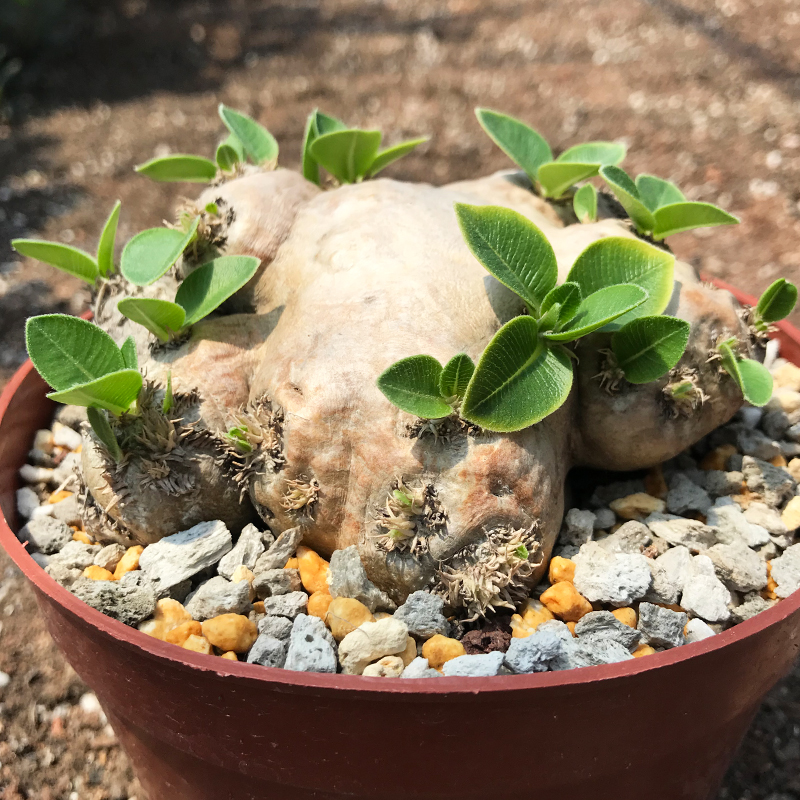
329 424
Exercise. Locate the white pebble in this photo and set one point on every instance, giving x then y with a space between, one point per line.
5 679
31 474
64 436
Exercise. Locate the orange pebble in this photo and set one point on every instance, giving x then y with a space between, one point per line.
769 592
291 564
572 626
564 600
128 562
717 459
440 649
313 570
198 644
57 497
410 653
643 650
655 484
95 573
182 632
318 604
561 569
230 656
778 461
627 616
80 536
258 607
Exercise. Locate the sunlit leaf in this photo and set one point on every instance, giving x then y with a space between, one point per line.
115 392
230 153
584 203
256 140
162 318
557 176
617 259
67 259
210 285
151 253
456 375
412 384
310 167
600 153
511 248
67 351
347 154
626 192
777 302
129 356
656 192
648 347
325 123
179 168
169 397
105 248
521 143
391 154
102 429
756 382
568 298
598 309
678 217
519 380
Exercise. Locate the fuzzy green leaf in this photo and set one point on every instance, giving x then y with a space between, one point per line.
648 347
151 253
511 248
412 384
169 397
162 318
114 392
67 259
756 382
347 154
568 296
391 154
656 192
678 217
600 153
102 429
325 123
105 247
777 302
456 375
129 356
518 381
310 168
179 168
626 192
557 176
617 259
521 143
210 285
230 153
68 351
584 203
256 140
598 309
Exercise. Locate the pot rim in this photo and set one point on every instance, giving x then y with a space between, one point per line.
463 686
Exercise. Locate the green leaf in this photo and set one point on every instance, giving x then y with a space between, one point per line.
617 259
390 154
678 217
114 392
511 248
777 302
129 356
756 382
310 166
67 259
412 384
169 397
626 192
600 153
455 376
568 296
557 176
212 284
584 203
648 347
521 143
105 247
67 351
179 168
151 253
600 308
655 192
518 381
162 318
347 154
102 429
230 153
324 123
256 140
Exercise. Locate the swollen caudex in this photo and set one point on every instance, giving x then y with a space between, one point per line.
371 394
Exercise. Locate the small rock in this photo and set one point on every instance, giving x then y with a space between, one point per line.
286 605
537 652
604 518
183 555
723 484
632 538
5 679
27 502
73 416
775 484
345 614
480 666
738 567
603 495
123 600
64 436
372 641
492 636
637 506
754 443
687 532
279 552
685 495
310 648
230 632
422 613
786 571
31 474
733 527
268 651
440 649
749 416
76 555
661 627
791 514
563 600
42 560
704 595
752 606
591 653
697 630
218 596
615 578
46 535
109 556
579 526
768 518
245 552
62 574
347 578
419 668
275 627
671 570
67 511
387 667
775 423
274 582
605 624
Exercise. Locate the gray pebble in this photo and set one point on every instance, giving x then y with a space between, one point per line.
348 578
738 567
704 595
752 606
697 630
47 535
422 614
62 574
267 651
276 627
775 484
27 502
733 528
281 550
274 582
661 627
615 578
592 652
67 511
604 518
109 556
309 647
687 532
218 596
605 624
124 600
685 495
249 546
786 571
632 538
483 665
419 668
537 652
756 444
723 484
775 423
578 527
766 517
76 555
287 605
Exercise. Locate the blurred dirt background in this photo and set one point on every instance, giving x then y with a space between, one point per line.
705 92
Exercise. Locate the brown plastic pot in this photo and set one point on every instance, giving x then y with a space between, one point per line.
201 728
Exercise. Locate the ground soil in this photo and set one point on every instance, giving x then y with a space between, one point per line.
706 93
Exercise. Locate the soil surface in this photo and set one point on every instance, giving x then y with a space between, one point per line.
705 93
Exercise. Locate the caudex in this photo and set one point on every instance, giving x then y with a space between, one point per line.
279 299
